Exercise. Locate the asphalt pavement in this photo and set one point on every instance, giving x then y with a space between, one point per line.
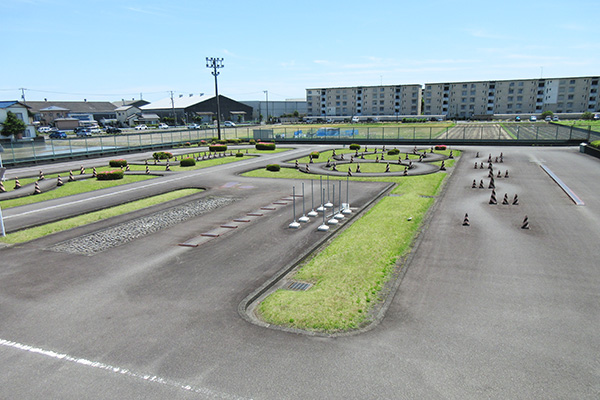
488 310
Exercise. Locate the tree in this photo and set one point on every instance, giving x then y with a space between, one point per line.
12 126
587 115
547 114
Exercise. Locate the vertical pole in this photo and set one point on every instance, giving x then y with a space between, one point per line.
2 223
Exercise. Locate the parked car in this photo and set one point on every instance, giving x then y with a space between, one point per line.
228 123
163 126
548 118
57 135
95 130
112 129
83 132
44 129
141 127
193 126
355 120
533 118
517 119
555 118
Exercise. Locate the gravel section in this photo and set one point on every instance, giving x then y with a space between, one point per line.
120 234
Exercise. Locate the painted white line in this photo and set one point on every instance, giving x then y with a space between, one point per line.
209 393
190 175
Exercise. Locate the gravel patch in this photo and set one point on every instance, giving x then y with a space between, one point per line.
120 234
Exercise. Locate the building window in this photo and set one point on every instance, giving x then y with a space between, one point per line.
572 82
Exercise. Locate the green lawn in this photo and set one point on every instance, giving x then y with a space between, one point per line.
582 124
70 188
349 274
43 230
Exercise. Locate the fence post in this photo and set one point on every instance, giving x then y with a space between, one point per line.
33 149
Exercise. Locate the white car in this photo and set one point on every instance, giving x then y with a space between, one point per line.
533 118
355 120
228 123
163 126
96 130
141 127
44 129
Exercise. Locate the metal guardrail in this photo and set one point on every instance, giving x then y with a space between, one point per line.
38 150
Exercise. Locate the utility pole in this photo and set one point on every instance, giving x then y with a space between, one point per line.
267 94
22 94
216 63
173 109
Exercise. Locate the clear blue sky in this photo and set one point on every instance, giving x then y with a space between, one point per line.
109 49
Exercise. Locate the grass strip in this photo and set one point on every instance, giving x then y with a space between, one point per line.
71 188
84 219
350 273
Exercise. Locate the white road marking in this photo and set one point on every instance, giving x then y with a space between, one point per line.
201 172
209 393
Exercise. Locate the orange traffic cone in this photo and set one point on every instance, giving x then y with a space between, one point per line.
525 224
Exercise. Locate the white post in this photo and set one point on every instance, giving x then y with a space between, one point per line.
295 224
323 227
2 223
303 218
312 212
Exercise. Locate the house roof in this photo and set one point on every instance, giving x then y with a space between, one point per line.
85 107
54 108
124 108
6 104
178 102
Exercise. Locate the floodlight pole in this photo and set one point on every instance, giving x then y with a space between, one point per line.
216 63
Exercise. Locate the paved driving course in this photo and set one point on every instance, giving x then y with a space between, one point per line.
488 310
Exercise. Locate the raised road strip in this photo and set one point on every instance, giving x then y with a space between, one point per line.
564 187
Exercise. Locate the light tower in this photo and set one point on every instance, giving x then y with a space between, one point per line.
216 63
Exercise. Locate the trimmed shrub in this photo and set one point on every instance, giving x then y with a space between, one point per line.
440 147
235 141
355 146
222 141
217 147
239 154
162 155
202 143
110 175
187 144
187 162
314 155
117 163
393 152
265 146
273 167
252 141
595 144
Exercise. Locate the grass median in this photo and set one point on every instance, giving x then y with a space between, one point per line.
84 219
349 274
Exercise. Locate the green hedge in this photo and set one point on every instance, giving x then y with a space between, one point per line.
393 152
235 141
239 154
355 146
273 167
162 155
187 162
595 144
117 163
314 154
110 175
265 146
217 147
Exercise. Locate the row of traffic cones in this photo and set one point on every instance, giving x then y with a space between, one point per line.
505 201
524 225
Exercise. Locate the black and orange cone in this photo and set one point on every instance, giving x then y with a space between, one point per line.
515 200
17 183
41 177
71 177
81 170
37 189
443 166
474 185
59 181
492 185
505 200
481 184
2 189
466 220
493 200
525 224
506 174
387 167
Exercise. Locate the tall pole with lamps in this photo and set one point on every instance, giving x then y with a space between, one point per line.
216 63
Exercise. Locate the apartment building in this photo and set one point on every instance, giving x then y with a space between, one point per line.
521 96
364 101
